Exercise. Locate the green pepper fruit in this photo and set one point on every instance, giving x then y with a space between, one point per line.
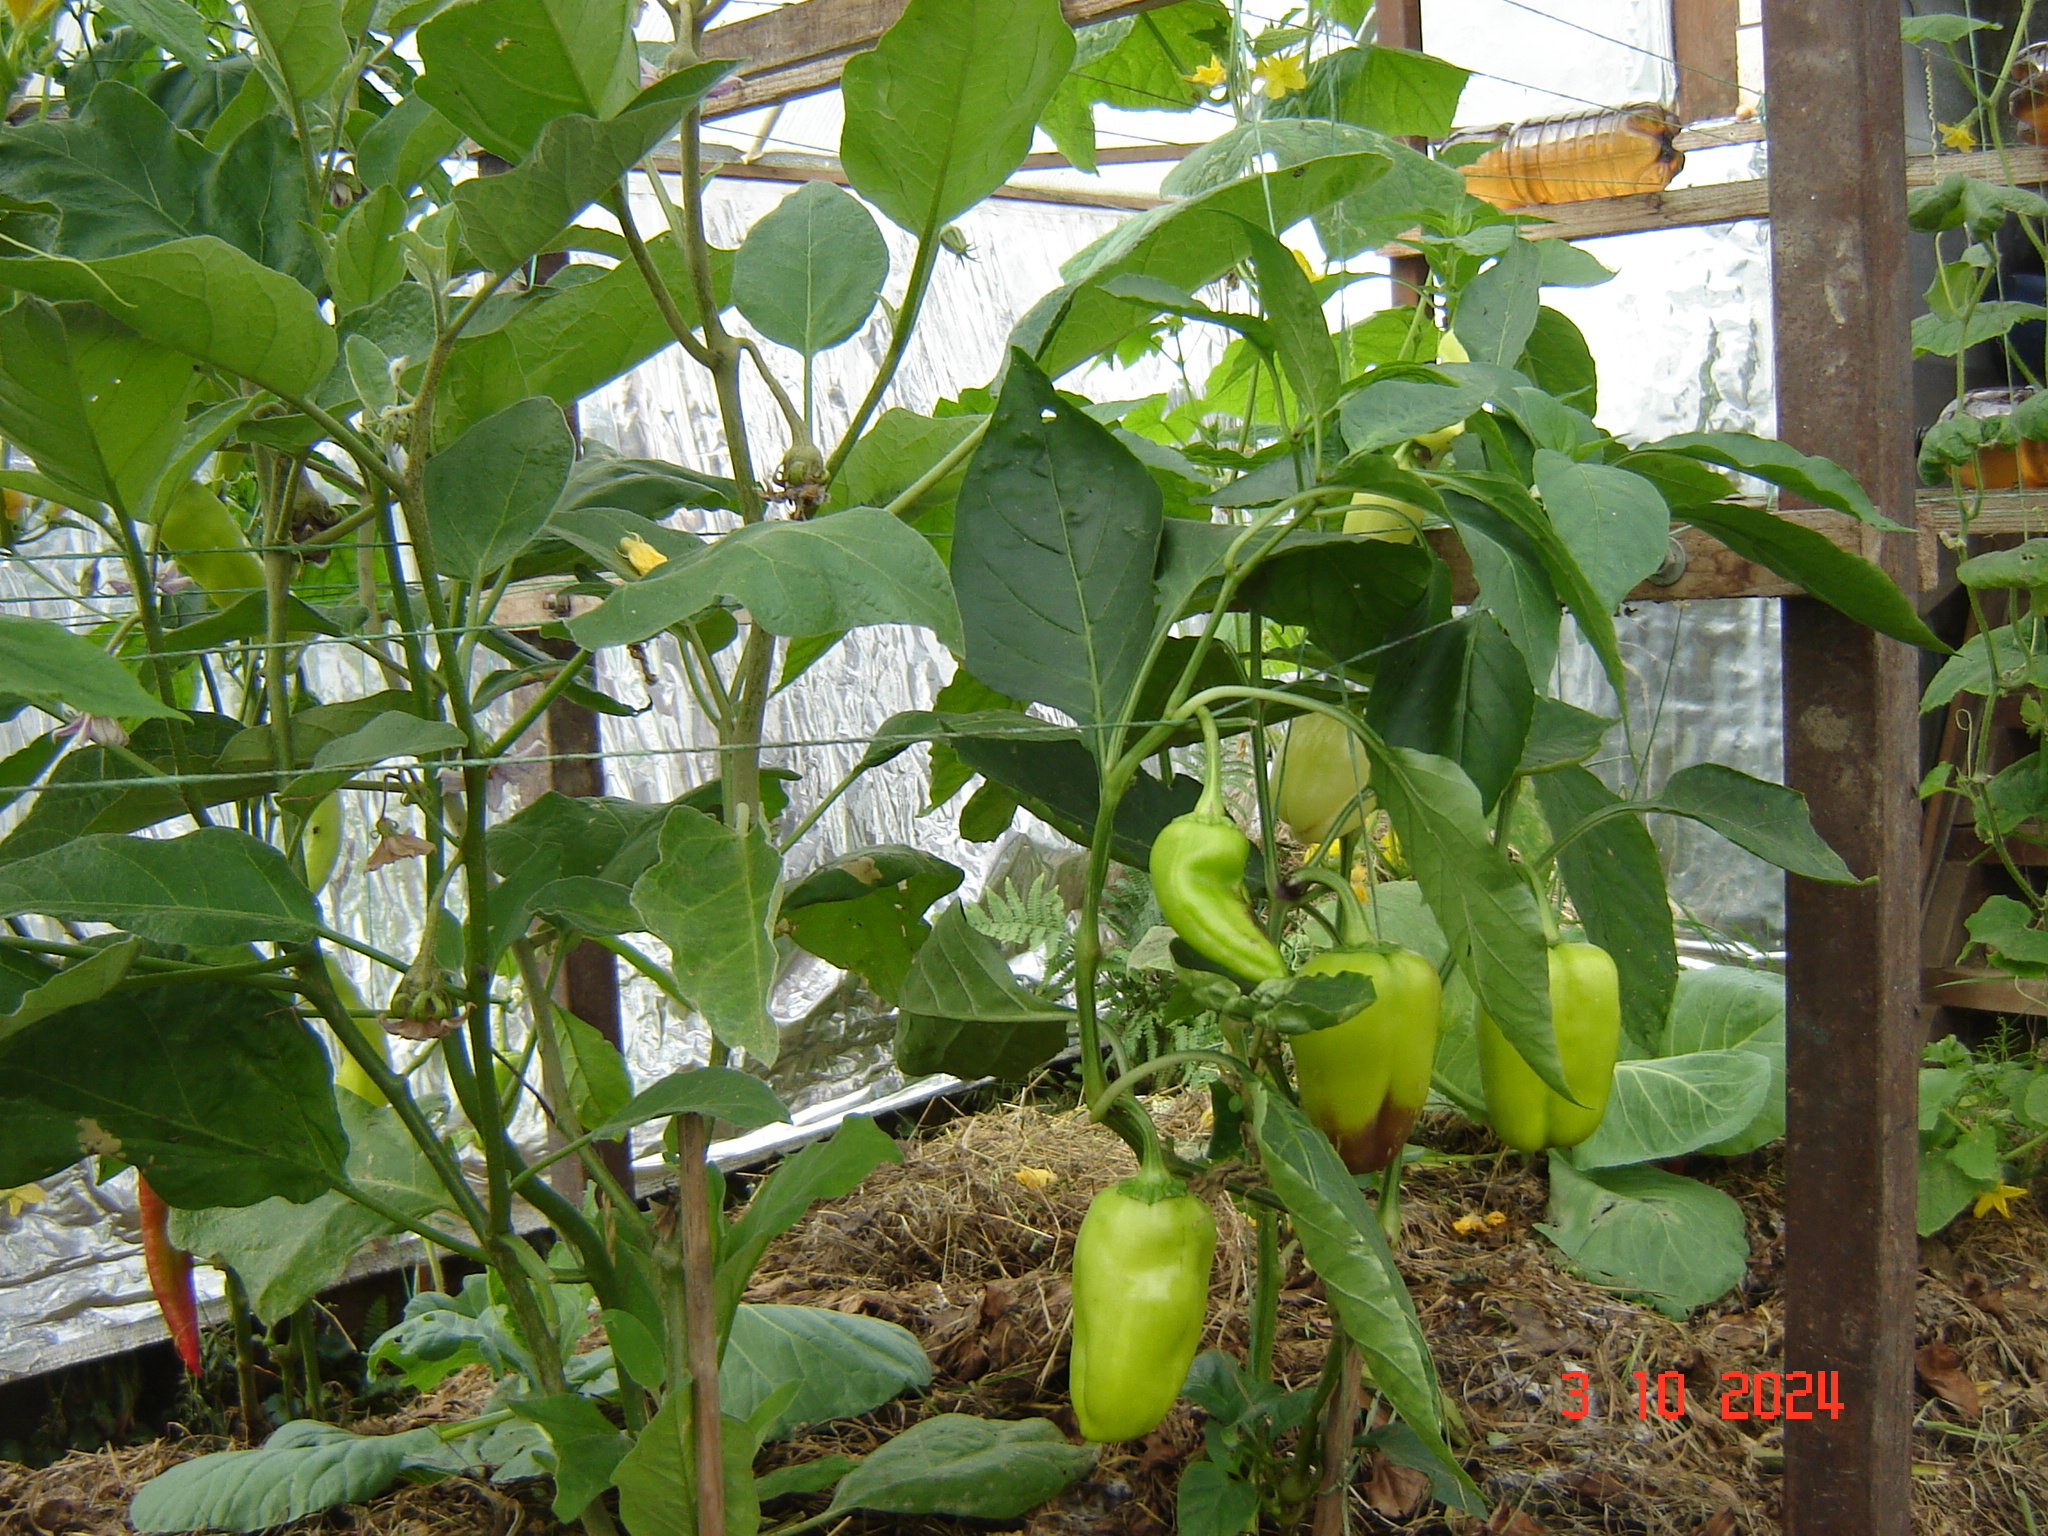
1585 1013
1198 876
1141 1296
1322 776
203 536
1364 1081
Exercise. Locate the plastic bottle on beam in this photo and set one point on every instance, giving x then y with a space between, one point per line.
1570 158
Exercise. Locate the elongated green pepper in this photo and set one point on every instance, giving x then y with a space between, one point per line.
208 543
1198 876
1585 1013
1364 1081
1141 1295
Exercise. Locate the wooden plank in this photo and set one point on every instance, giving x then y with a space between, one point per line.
1703 52
791 166
1993 512
1842 301
1948 986
798 49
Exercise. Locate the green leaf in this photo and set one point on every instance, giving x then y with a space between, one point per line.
594 1072
1393 90
203 297
953 1464
1348 594
1341 1239
367 261
794 578
1944 1191
803 1477
940 113
219 1096
1613 521
393 733
1513 585
287 1254
1296 314
1208 1501
2025 566
1947 335
212 886
489 492
501 70
842 1365
1139 62
585 1447
1557 359
1724 1007
824 1170
303 40
1485 908
809 272
1941 29
1676 1242
893 455
1672 1105
1561 736
864 911
1844 581
46 665
712 899
656 1479
82 981
1392 411
962 1012
560 848
304 1468
99 408
1818 480
576 161
1055 538
175 25
1497 313
739 1098
1460 691
1770 820
403 145
1615 876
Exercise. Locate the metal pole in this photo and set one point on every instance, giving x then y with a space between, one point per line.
1834 72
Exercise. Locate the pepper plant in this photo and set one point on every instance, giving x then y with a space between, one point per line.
269 337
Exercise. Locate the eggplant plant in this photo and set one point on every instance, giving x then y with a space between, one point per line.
301 298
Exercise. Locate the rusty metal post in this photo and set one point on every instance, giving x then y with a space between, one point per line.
1398 24
1834 71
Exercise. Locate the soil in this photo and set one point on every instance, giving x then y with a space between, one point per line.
953 1244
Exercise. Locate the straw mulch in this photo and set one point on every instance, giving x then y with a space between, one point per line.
952 1244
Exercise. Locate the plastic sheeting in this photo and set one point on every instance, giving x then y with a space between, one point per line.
1682 339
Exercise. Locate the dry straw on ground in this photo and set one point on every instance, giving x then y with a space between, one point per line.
966 1242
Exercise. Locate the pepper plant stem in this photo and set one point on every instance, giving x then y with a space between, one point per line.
700 1320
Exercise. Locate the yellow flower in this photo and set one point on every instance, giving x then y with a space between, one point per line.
1958 135
21 1195
1998 1198
1301 261
27 13
1496 1218
1469 1223
1209 76
1034 1178
1281 76
640 554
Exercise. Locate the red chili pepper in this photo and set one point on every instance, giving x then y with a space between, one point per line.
170 1274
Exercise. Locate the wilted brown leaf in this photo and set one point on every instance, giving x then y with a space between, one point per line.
1942 1369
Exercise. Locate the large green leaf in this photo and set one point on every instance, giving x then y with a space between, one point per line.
99 408
558 839
962 1012
1678 1243
893 455
303 40
49 992
1485 908
489 492
1513 585
1341 1239
1616 880
1348 594
940 113
1461 691
864 911
1770 820
1809 557
576 161
503 69
1725 1007
1820 481
45 664
212 886
1668 1106
657 1483
1138 62
1290 303
203 297
125 797
584 1446
794 578
1055 538
1393 90
712 899
304 1468
990 1469
175 24
809 272
1613 521
843 1365
287 1254
216 1093
1496 314
723 1093
367 260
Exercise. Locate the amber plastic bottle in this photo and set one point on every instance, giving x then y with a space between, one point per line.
1569 158
1999 469
2028 99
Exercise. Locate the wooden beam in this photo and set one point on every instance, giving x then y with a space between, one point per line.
790 166
798 49
1842 301
1703 54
